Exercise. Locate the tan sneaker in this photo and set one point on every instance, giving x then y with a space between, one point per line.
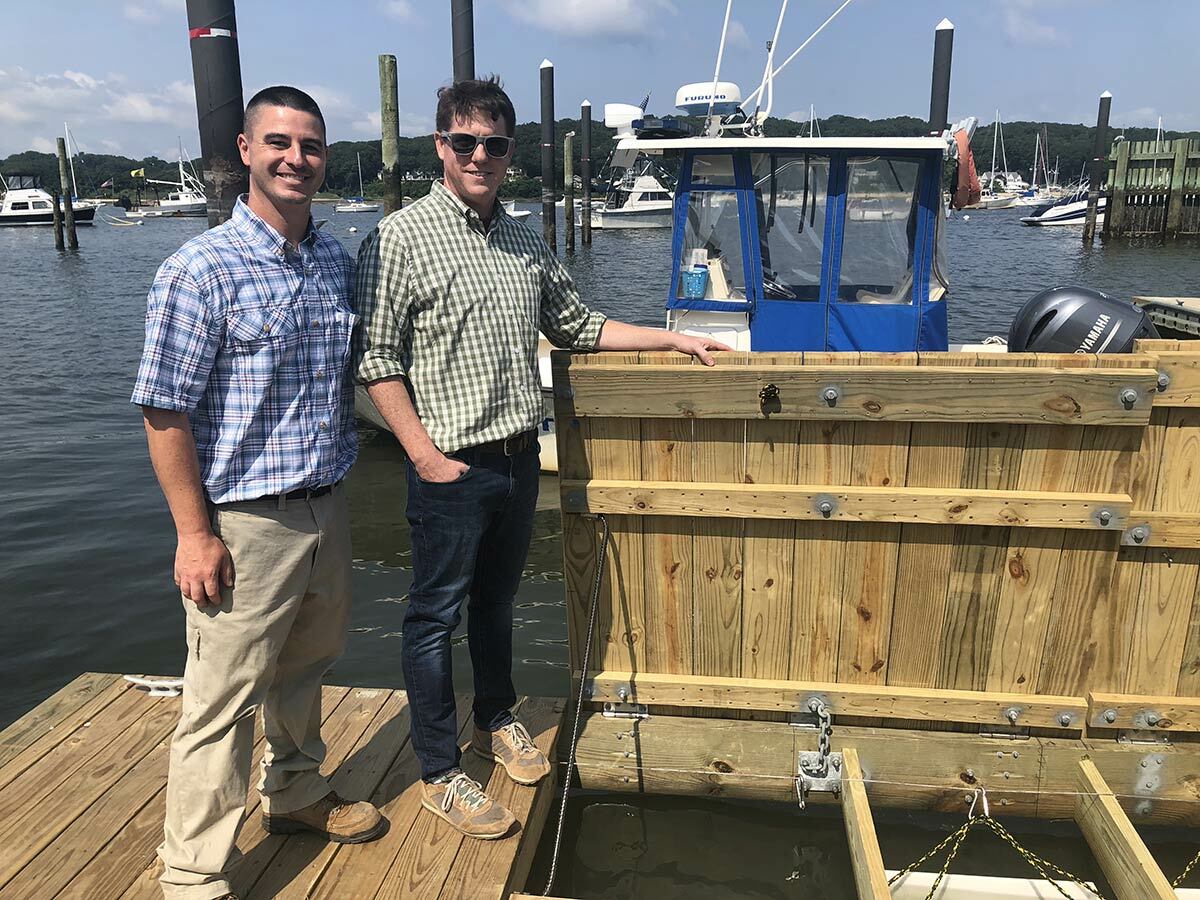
337 820
514 749
462 802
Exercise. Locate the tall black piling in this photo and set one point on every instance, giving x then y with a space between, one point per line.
217 74
548 181
389 118
585 172
64 179
939 94
462 26
1096 173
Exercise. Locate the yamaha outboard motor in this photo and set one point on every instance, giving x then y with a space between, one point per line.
1078 320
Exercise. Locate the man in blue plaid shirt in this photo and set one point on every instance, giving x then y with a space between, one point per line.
245 389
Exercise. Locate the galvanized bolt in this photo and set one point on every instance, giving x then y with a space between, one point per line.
1145 763
1152 719
967 798
970 773
1138 534
1016 755
825 508
999 754
622 694
831 395
837 763
1064 720
1007 775
1104 516
1129 397
1012 714
1164 381
1159 760
1110 715
814 704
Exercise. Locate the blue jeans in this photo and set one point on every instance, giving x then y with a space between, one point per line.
470 538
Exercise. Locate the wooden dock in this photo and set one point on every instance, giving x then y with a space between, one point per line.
82 791
1154 189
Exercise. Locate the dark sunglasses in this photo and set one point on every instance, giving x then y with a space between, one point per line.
494 145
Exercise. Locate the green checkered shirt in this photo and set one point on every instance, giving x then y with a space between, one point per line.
456 310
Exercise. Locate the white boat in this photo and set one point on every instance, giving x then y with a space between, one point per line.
357 204
1070 210
25 203
77 203
637 201
187 200
510 207
998 192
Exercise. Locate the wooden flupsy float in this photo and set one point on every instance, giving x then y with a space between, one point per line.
980 570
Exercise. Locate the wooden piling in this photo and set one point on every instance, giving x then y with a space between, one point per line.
569 190
585 172
389 117
217 75
1114 216
58 223
548 180
1097 168
1175 204
64 179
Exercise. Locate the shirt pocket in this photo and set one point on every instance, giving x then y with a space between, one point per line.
254 329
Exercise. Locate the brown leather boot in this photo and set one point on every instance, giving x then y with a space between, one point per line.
337 820
462 803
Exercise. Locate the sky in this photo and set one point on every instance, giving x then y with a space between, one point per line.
119 71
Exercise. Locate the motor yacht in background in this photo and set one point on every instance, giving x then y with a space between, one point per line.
25 203
187 200
636 196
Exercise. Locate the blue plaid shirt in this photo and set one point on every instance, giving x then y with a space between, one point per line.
251 338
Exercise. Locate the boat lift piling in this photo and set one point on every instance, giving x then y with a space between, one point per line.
585 171
939 95
1097 168
64 179
389 117
462 28
569 191
546 71
217 74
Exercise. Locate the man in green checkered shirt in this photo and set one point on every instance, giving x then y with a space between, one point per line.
453 292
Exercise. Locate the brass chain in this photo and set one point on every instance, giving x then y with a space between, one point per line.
1042 866
1187 871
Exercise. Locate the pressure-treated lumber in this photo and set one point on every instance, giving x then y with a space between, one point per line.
891 701
869 876
1143 712
1182 367
1163 529
934 506
1122 854
873 393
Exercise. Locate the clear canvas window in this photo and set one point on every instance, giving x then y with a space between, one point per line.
711 267
714 169
881 222
790 192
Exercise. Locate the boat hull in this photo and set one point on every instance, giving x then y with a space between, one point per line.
637 218
1066 214
83 216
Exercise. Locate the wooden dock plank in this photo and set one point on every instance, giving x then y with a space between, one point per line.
867 861
112 753
52 713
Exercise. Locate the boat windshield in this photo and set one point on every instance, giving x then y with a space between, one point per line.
791 195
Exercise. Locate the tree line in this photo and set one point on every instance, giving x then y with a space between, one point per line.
1070 145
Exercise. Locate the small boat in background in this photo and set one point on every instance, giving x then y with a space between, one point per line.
510 207
1070 210
187 200
357 204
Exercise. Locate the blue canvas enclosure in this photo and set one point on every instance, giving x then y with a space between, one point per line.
822 247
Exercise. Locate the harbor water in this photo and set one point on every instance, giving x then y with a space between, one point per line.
86 541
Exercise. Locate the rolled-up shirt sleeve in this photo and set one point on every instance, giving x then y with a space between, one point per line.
182 340
563 317
381 296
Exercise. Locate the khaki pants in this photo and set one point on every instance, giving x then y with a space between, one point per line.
268 644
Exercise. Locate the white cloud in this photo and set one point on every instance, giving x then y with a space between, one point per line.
1021 26
151 12
737 36
44 145
626 19
400 10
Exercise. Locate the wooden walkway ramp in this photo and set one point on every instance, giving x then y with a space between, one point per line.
82 781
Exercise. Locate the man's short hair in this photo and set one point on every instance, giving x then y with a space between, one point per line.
285 96
463 100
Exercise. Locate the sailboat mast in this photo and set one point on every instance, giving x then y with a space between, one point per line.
1037 146
70 159
995 135
360 187
1003 153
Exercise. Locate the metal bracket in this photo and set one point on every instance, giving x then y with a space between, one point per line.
1148 781
1138 736
626 711
815 772
1137 535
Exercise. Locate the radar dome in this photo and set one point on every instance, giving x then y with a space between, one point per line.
694 99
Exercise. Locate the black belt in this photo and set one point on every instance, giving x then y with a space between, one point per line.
510 446
298 494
